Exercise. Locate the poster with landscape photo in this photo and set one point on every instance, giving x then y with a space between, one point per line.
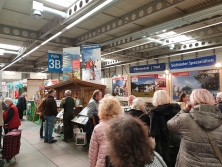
188 81
146 85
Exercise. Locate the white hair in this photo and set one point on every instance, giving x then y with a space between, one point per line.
160 97
24 94
201 96
219 95
8 100
68 92
138 103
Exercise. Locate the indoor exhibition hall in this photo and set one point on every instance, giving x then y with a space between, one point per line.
111 83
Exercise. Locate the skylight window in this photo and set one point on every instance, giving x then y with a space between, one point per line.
9 47
64 3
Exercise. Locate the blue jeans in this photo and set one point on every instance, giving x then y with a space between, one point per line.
49 125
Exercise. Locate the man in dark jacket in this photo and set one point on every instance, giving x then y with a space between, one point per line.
49 111
68 104
21 105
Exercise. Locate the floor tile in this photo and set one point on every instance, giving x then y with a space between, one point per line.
63 159
75 164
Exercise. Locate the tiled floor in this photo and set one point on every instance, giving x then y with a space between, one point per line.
35 153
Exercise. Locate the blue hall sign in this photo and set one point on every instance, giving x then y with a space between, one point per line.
54 62
148 68
191 63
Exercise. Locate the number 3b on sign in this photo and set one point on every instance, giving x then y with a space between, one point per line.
56 64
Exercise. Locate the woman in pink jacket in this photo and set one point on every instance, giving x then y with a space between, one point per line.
109 107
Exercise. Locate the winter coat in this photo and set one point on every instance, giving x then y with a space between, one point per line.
195 148
49 106
21 105
98 148
220 106
13 121
142 116
158 129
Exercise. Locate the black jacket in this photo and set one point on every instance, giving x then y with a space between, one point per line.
158 129
21 105
138 113
220 106
49 106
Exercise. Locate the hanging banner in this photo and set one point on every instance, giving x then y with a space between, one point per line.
188 81
146 85
120 86
91 57
54 62
191 63
71 63
148 68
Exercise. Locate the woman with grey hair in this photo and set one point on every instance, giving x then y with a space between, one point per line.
138 110
21 105
11 116
219 101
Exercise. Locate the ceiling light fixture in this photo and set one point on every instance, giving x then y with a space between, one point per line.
99 7
10 47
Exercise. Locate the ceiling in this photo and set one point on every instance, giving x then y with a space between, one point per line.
127 30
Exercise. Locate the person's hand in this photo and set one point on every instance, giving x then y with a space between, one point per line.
188 106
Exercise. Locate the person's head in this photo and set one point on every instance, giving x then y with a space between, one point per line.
219 97
130 145
24 94
201 96
109 107
8 101
68 93
138 104
51 92
183 98
97 95
46 95
130 99
161 97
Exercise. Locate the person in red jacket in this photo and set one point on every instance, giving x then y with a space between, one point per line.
11 116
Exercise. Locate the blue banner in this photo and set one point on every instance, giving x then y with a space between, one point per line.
191 63
54 62
148 68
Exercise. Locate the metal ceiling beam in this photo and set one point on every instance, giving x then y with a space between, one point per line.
140 13
169 25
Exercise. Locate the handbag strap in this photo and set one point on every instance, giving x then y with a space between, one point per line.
214 145
141 115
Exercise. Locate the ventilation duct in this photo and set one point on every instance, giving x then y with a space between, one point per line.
38 8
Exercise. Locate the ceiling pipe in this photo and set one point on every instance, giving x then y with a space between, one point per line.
38 8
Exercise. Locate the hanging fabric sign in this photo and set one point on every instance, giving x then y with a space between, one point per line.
191 63
54 62
71 63
91 57
148 68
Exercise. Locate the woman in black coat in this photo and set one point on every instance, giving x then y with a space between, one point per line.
21 105
138 110
167 144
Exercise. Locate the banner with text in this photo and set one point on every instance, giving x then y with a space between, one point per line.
148 68
146 85
191 63
188 81
91 57
54 62
71 63
120 87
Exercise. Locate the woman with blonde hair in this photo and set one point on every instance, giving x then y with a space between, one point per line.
159 116
200 119
109 107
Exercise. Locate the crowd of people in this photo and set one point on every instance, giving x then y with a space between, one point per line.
169 135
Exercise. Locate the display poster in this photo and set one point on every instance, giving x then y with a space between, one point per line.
54 62
120 86
91 57
71 63
188 81
148 68
191 63
146 85
50 82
